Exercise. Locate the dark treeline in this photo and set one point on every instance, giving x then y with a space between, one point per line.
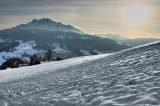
35 59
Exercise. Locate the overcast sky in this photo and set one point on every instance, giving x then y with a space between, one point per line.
90 16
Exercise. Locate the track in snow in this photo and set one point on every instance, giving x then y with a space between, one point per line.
129 77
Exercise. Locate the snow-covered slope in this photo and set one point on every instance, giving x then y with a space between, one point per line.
21 49
127 78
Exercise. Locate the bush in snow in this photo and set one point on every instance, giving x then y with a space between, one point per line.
34 60
12 63
59 58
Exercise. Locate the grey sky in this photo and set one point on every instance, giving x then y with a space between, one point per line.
90 16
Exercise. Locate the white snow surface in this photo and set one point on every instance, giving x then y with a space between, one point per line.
26 47
2 61
1 40
14 74
58 49
98 52
23 47
127 78
86 52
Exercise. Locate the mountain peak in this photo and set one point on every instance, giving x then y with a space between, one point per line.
43 20
49 25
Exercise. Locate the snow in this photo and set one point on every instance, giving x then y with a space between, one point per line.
98 52
2 61
24 47
86 52
14 74
1 40
126 78
58 49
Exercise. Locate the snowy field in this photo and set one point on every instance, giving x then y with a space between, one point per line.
24 47
127 78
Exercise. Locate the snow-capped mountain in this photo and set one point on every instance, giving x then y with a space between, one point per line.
125 40
126 78
48 24
61 39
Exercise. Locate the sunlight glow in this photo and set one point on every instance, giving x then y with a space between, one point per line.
135 14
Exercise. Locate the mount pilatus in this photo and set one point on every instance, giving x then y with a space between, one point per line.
47 24
41 35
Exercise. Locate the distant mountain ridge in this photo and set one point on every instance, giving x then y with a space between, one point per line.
125 40
48 24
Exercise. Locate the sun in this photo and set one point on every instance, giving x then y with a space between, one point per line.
135 14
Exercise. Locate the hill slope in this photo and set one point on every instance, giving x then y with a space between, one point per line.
129 77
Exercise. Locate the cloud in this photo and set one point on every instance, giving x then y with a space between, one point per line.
91 16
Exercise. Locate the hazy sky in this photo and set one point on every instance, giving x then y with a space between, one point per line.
90 16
